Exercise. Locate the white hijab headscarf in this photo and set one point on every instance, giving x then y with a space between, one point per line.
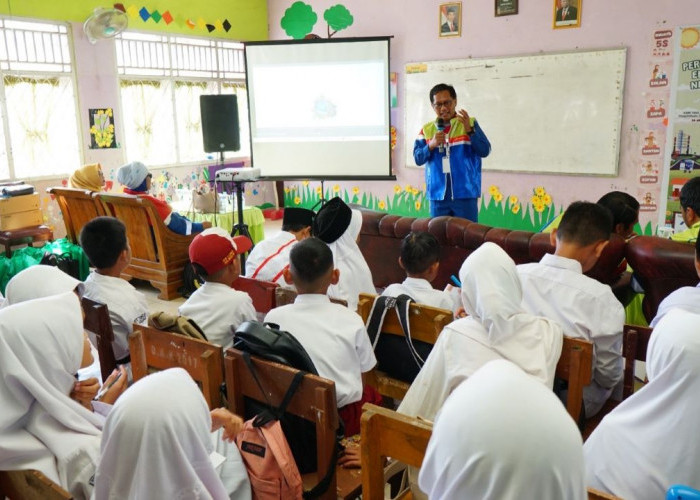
501 435
156 443
41 427
492 296
355 276
650 441
39 281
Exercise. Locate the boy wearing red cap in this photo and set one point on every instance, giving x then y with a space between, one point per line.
215 306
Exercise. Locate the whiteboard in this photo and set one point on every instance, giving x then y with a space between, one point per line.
548 113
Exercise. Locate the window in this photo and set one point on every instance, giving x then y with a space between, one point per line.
161 78
39 133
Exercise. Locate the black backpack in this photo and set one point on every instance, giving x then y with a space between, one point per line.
399 358
267 341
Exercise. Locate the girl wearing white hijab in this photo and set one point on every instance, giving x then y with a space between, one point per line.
42 345
157 444
339 226
497 328
650 441
501 435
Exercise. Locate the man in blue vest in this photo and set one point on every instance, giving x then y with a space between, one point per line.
451 148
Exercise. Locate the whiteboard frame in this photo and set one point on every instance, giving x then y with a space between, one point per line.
613 158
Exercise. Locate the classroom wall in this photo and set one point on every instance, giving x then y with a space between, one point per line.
413 24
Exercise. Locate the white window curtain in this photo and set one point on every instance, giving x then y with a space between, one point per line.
189 121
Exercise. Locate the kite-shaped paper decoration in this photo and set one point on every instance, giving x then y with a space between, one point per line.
226 25
167 17
144 14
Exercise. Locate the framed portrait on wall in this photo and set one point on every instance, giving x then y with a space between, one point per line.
506 7
567 13
450 20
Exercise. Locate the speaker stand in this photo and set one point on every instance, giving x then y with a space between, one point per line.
240 228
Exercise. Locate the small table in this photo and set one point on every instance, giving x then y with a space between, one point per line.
24 236
252 217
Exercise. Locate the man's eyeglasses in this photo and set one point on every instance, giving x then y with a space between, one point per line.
441 104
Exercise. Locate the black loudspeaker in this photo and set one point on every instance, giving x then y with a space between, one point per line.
220 129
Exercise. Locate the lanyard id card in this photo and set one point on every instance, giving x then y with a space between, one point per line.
446 160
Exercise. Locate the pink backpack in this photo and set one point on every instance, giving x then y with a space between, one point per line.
271 467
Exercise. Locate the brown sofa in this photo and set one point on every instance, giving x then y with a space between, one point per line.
381 235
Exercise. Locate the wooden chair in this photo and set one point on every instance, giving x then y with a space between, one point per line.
285 296
634 348
30 485
98 324
261 292
594 494
154 350
426 324
78 207
385 433
575 365
314 400
158 254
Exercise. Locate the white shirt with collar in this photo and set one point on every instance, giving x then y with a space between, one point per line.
126 306
335 339
585 308
422 292
216 308
270 257
686 298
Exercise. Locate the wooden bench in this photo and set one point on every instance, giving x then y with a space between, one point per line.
426 324
30 485
635 342
262 293
158 254
98 324
575 365
154 350
78 207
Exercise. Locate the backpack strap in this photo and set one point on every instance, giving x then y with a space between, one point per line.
382 304
403 306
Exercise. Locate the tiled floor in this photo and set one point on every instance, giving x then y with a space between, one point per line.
170 306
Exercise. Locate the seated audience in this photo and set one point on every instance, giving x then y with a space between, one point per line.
497 328
339 226
687 297
502 435
420 258
585 308
157 444
690 210
42 346
650 441
215 306
88 177
333 335
137 179
270 257
104 241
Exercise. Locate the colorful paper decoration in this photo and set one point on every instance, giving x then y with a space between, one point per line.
144 14
133 11
167 17
155 15
227 25
298 20
119 6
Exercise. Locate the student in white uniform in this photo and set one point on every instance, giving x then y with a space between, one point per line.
42 346
687 297
420 258
339 226
585 308
650 440
215 306
104 241
497 328
157 444
334 336
501 435
269 258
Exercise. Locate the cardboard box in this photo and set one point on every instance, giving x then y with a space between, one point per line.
21 219
14 204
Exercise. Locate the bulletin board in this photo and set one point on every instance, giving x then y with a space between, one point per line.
548 113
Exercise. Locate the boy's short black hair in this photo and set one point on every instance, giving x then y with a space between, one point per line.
440 87
623 207
309 260
103 239
690 195
419 251
585 223
294 228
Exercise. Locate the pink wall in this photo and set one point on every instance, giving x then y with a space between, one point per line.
604 24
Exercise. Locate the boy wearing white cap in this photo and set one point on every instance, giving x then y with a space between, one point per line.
137 179
215 306
268 260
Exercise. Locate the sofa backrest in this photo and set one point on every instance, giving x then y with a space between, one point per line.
381 235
